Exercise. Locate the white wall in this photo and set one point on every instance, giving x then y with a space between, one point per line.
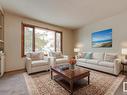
118 24
14 61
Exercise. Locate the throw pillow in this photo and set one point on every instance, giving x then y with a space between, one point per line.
57 54
110 57
81 55
88 55
36 56
97 55
42 55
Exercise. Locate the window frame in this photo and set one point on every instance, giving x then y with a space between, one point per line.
23 25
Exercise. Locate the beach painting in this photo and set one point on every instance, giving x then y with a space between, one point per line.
102 38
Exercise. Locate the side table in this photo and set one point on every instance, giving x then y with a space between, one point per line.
124 64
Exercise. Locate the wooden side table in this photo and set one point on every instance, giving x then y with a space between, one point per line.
124 64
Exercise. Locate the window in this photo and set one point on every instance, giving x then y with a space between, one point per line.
58 42
28 39
40 39
44 39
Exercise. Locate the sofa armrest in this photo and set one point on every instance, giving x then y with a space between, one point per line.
117 66
46 58
28 64
65 56
28 60
52 61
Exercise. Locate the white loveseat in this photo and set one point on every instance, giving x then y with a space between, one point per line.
57 58
106 62
36 61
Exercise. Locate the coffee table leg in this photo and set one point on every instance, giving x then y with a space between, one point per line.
123 69
88 79
51 74
71 87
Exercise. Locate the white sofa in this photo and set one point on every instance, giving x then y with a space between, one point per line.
106 62
36 62
57 58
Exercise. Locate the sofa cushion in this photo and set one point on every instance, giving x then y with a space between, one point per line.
39 63
106 64
93 61
110 57
61 60
99 56
82 60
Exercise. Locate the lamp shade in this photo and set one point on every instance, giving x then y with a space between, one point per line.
76 49
124 51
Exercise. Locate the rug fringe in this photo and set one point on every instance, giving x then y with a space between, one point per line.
30 85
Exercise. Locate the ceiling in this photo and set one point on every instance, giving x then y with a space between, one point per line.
66 13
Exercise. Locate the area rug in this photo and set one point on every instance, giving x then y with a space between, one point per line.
100 84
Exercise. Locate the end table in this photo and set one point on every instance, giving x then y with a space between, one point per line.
124 64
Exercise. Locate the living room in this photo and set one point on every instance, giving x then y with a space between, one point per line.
70 30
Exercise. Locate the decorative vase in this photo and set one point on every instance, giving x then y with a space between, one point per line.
72 62
72 66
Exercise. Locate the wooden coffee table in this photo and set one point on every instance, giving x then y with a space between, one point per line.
70 79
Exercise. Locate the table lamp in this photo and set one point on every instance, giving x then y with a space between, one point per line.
124 52
76 50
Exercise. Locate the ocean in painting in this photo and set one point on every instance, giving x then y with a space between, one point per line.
102 38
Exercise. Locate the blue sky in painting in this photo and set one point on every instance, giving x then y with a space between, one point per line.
102 35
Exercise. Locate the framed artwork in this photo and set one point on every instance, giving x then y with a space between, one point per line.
102 38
